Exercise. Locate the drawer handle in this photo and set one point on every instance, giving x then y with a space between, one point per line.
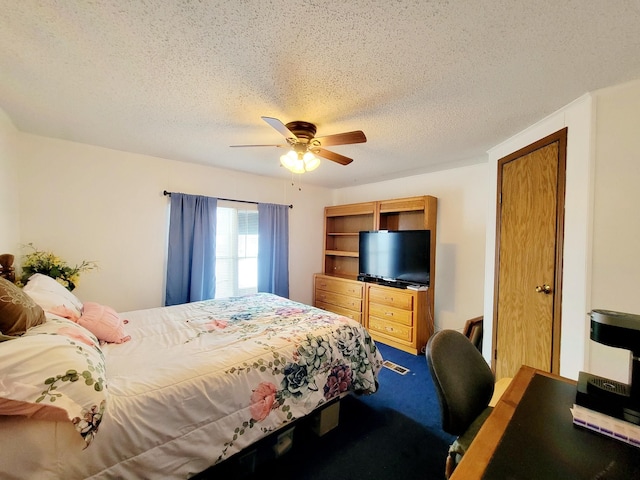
389 314
389 329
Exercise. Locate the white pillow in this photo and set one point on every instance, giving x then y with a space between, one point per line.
48 293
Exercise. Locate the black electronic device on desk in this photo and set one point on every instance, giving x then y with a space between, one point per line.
616 399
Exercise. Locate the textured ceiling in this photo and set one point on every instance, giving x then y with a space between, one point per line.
433 84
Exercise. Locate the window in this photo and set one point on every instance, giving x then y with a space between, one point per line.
236 249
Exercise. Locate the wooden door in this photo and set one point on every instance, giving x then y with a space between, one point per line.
530 220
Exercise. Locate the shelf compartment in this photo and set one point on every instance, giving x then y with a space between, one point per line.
346 243
350 224
409 220
342 265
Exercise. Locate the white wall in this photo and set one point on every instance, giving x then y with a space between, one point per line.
9 211
460 242
90 203
578 118
616 219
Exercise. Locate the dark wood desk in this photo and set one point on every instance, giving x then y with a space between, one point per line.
547 447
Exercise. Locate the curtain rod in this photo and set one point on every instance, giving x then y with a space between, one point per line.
168 194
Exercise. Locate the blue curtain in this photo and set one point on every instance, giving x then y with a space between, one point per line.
273 249
191 264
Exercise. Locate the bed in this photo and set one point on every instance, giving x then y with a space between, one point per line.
175 390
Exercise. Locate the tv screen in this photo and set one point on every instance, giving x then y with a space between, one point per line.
395 256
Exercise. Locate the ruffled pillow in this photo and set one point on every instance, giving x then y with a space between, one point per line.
104 322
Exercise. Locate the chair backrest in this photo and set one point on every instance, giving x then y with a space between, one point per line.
462 378
473 331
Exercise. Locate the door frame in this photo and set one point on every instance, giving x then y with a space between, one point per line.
561 137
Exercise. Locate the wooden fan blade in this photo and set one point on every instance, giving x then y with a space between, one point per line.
333 156
342 138
280 127
281 146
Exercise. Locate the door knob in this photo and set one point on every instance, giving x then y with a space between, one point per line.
546 289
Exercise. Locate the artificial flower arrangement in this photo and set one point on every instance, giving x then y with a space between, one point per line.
47 263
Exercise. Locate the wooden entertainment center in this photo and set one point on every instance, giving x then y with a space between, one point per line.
399 317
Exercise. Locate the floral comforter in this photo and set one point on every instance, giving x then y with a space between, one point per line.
199 382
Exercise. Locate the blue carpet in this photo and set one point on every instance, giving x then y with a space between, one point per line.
411 394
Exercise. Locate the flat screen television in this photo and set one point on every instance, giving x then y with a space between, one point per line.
395 256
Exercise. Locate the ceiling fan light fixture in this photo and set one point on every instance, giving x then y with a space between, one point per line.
311 162
291 162
299 162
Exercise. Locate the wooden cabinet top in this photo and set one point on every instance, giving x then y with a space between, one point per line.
406 204
368 208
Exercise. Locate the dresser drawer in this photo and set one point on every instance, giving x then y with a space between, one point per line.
392 329
340 311
352 303
391 296
353 289
385 312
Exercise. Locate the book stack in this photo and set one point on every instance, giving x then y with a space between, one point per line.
612 427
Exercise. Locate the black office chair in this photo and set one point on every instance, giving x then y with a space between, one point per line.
464 384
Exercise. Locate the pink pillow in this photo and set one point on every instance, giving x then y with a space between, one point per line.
65 312
32 410
104 322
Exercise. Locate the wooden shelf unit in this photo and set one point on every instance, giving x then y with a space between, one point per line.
342 226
